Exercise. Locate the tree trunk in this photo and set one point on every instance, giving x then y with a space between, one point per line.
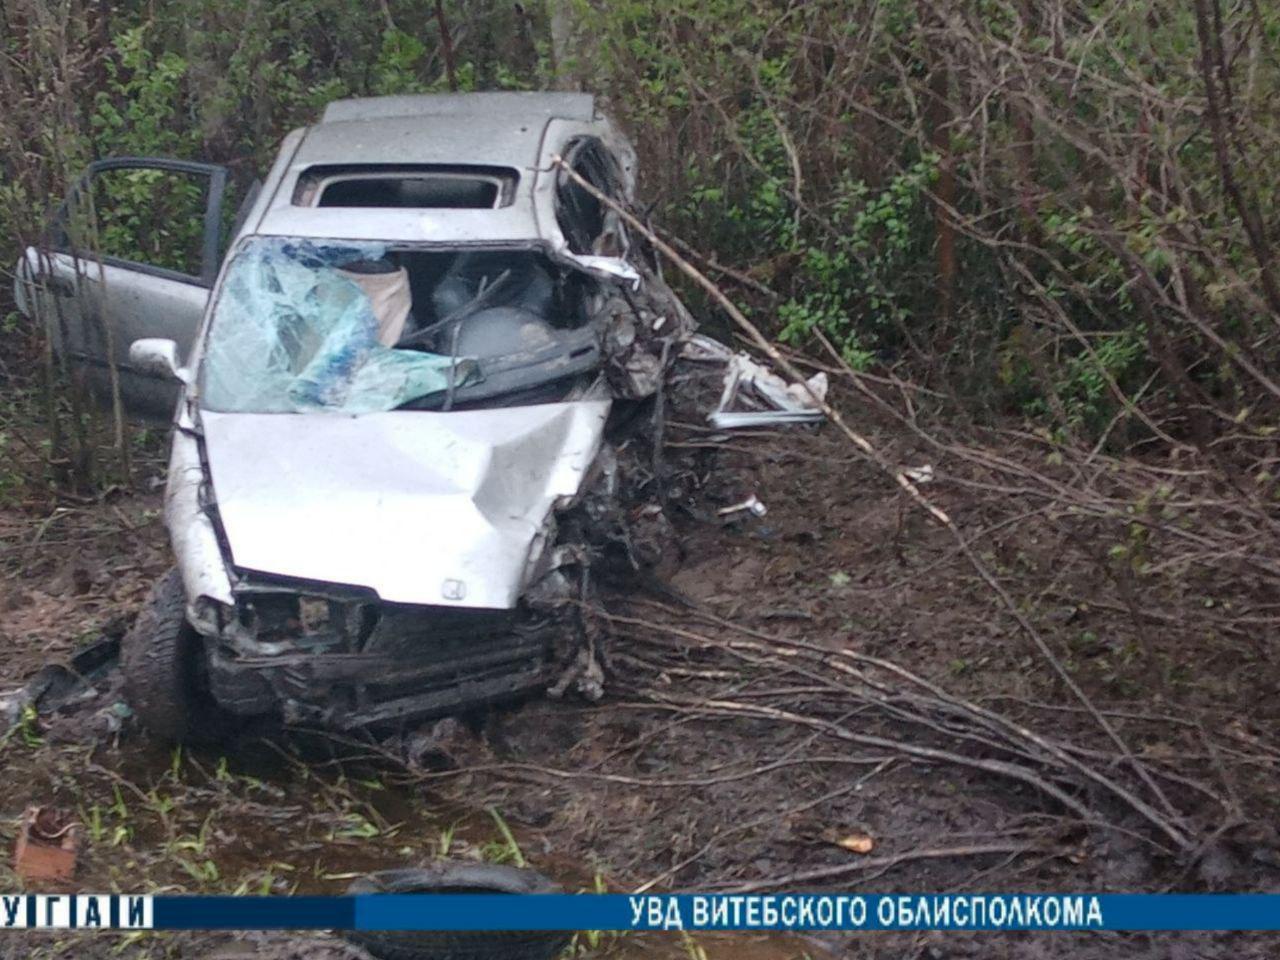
564 68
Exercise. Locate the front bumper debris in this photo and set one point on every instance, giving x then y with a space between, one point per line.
355 663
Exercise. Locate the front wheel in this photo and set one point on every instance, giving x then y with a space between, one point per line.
162 658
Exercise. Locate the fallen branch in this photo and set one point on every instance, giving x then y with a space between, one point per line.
864 445
988 719
1012 771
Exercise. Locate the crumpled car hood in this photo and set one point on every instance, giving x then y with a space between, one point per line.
421 507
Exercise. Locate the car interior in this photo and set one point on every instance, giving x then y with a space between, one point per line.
515 312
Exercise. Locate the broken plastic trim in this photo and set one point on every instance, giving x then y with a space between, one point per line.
790 402
191 531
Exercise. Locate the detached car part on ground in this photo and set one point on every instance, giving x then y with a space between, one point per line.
448 876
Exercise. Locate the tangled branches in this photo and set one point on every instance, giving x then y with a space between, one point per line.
1006 748
844 682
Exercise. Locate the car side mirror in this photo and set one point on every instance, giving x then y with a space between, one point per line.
158 357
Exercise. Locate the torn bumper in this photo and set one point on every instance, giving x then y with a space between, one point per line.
205 578
351 663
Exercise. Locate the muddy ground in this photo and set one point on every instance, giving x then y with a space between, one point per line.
693 772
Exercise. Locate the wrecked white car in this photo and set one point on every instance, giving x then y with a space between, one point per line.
393 459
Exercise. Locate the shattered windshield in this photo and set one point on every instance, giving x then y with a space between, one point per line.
311 326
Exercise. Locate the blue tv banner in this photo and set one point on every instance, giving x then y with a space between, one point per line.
778 911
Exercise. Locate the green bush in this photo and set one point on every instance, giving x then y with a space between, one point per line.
1097 210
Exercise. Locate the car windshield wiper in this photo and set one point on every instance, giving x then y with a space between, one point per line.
574 353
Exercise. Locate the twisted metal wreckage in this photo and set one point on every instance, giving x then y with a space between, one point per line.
421 412
444 558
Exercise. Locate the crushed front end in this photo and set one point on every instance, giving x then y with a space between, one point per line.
370 559
343 659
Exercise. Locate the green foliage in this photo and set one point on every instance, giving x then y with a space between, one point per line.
147 216
1091 205
505 849
802 144
399 61
1084 389
25 732
138 110
859 290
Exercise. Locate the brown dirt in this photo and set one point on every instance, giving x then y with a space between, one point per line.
839 560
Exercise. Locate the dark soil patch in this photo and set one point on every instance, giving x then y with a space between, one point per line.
642 791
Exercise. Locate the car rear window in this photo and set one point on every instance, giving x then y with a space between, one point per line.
476 188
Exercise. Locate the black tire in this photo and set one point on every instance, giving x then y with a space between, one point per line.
451 877
162 660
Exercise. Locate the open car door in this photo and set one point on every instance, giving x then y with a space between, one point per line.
132 253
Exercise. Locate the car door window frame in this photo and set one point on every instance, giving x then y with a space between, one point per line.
210 247
591 159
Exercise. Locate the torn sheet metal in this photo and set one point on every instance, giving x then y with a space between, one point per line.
57 685
643 332
741 419
191 531
605 268
420 507
755 385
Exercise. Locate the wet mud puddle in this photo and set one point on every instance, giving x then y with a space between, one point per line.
278 820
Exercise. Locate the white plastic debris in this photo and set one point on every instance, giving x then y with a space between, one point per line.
737 419
13 704
919 475
751 505
746 381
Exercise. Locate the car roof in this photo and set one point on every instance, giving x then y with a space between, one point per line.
566 106
517 130
494 129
